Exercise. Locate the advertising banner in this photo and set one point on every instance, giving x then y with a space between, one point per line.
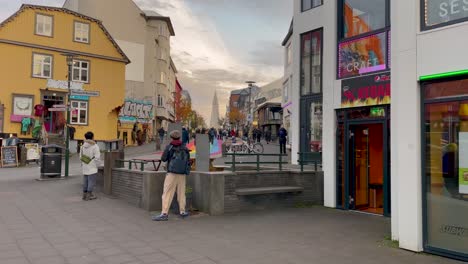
366 91
363 55
463 163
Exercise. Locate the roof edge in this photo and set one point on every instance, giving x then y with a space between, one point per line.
290 32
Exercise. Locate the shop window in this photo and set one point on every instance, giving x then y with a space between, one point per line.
439 13
311 62
80 71
44 25
42 66
79 113
445 166
81 32
362 16
309 4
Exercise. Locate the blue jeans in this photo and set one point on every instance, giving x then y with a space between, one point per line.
89 181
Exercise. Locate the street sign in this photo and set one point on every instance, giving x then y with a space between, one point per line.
60 106
57 109
86 93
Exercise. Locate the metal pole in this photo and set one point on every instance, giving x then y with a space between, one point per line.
67 132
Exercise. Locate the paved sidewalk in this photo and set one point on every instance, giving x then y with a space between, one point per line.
46 222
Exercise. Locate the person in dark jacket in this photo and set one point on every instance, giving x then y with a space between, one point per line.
268 136
282 135
185 136
161 133
177 157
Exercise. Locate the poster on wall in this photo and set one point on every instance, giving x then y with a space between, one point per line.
136 111
22 105
366 90
363 55
463 163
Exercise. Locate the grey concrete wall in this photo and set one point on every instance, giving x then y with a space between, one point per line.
214 192
203 153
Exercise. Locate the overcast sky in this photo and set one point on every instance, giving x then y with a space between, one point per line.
219 44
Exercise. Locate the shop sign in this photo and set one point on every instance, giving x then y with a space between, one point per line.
32 151
79 97
377 112
135 110
366 90
86 93
57 84
443 12
363 55
463 163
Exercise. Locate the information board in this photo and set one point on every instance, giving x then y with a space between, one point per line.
9 157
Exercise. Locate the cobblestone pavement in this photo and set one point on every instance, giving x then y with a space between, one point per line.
47 223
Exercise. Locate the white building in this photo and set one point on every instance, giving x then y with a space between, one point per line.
286 102
347 70
145 36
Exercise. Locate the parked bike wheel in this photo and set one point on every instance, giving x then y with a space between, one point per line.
258 148
245 149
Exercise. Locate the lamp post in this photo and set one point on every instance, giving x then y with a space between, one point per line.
250 83
70 58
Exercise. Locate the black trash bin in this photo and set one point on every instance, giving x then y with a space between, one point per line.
51 161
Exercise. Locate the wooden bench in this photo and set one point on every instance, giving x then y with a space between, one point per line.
268 190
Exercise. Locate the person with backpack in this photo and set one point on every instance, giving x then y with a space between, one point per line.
177 157
89 156
282 134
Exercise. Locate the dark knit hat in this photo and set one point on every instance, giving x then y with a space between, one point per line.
175 134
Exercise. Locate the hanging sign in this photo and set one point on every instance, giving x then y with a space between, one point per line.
9 157
463 163
366 90
86 93
64 85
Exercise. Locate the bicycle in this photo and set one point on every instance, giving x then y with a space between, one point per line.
245 147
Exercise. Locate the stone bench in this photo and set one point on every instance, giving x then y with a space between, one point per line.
268 190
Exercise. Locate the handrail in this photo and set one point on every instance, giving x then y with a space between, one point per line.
280 161
311 157
135 162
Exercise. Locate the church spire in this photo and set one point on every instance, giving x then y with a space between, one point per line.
215 112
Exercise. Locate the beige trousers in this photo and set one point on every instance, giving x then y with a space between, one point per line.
172 183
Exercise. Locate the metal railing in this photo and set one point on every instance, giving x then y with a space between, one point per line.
309 158
257 162
121 164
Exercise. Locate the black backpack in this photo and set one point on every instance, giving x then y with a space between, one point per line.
179 161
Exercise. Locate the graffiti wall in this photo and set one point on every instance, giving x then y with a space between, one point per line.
136 110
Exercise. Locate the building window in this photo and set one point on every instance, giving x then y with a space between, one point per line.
163 78
79 113
309 4
80 71
42 66
311 62
285 90
44 25
163 54
289 54
160 101
439 13
362 16
81 32
445 166
162 30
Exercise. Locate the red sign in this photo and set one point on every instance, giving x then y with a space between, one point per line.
366 91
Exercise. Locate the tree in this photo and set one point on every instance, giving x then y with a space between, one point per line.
236 116
184 111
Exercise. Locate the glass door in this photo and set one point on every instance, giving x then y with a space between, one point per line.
359 173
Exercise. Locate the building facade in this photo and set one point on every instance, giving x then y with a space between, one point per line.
145 37
34 42
352 60
286 102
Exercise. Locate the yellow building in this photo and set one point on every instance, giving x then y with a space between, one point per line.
34 75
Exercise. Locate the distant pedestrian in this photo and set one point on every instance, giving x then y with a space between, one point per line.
177 157
211 135
268 136
161 133
282 135
259 135
185 136
233 133
89 156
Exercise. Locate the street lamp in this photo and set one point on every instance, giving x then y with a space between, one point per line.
70 58
250 83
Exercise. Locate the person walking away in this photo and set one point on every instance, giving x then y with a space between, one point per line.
282 134
211 135
177 157
233 133
89 156
185 136
268 136
259 135
161 133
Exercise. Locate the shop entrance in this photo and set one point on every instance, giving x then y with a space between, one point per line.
366 168
54 122
363 160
